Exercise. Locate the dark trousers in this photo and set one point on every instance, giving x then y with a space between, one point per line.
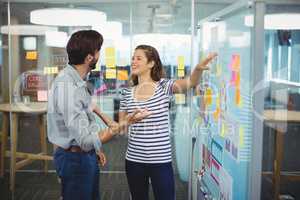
161 176
79 174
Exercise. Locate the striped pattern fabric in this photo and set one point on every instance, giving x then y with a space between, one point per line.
149 139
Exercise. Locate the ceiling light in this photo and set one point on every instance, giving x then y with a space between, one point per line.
282 21
26 29
67 17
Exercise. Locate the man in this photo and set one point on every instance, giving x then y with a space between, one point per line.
71 124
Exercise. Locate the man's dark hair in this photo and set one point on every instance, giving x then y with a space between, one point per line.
83 43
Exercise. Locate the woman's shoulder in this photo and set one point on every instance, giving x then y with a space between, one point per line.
126 91
165 82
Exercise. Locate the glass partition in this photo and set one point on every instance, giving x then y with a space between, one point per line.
222 107
32 53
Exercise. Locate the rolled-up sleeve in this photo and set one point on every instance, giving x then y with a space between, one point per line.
73 104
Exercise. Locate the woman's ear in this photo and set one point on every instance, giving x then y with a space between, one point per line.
151 64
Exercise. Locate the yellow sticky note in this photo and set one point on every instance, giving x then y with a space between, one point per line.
180 61
42 95
46 70
122 75
179 98
110 74
180 72
110 62
241 137
50 70
31 55
54 70
219 70
110 52
223 130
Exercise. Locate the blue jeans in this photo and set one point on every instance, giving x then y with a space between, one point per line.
161 176
79 174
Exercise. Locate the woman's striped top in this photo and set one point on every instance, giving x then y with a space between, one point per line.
149 139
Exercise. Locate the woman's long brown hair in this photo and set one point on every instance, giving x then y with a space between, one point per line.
157 71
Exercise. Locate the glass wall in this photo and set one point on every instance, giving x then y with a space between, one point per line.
223 121
32 53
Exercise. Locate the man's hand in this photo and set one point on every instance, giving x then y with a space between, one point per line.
102 158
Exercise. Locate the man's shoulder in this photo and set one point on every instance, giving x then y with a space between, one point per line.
63 76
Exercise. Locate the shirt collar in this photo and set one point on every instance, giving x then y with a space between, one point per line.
75 75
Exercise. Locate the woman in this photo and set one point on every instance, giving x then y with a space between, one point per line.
148 154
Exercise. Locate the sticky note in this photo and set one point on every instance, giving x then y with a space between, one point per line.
238 79
208 96
54 70
180 61
110 52
233 77
50 70
42 95
122 75
110 74
238 96
235 63
219 70
241 136
216 114
223 129
110 62
110 57
180 73
31 55
179 98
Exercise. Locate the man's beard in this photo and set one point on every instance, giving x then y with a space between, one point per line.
93 64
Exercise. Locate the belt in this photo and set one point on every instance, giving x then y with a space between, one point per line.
75 149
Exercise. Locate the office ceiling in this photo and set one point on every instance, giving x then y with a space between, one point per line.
166 16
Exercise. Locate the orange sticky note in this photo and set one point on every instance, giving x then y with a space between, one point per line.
42 95
208 96
31 55
122 75
238 79
216 114
238 96
236 62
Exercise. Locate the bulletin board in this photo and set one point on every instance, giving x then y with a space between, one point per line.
225 110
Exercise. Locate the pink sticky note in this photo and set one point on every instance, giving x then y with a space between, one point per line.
42 95
233 77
